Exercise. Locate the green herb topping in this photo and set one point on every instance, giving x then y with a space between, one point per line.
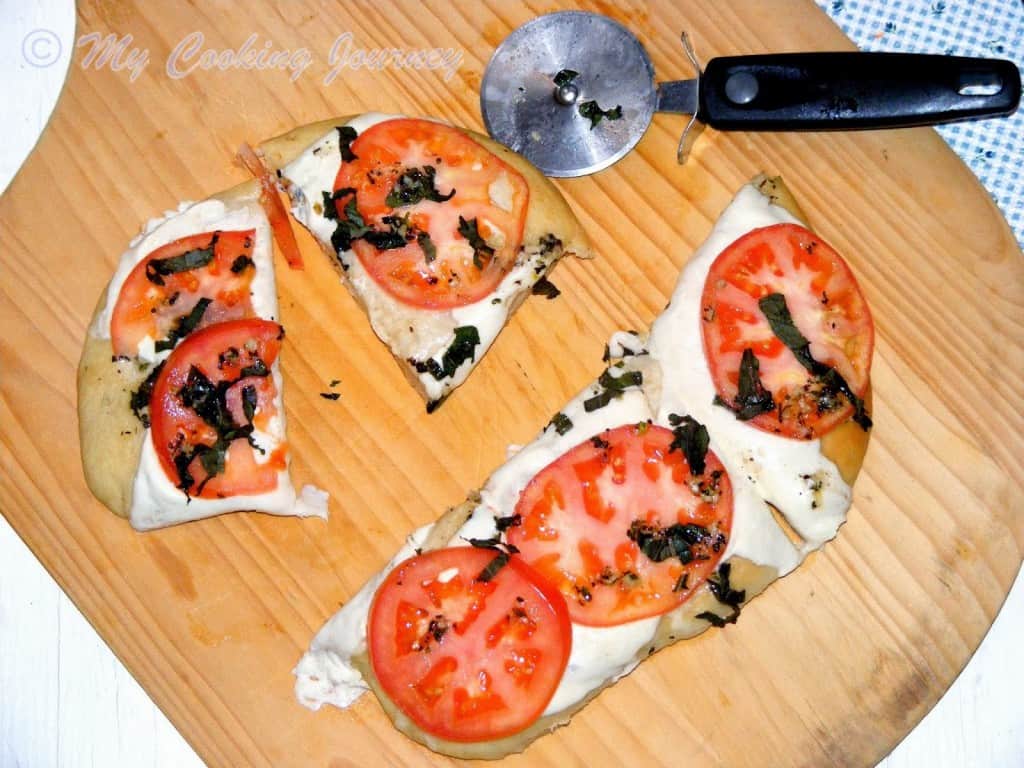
725 594
561 423
140 397
242 263
504 551
462 349
491 569
752 399
594 113
691 437
158 269
414 185
429 249
510 521
831 386
481 250
546 288
660 544
346 135
565 76
186 324
612 388
209 401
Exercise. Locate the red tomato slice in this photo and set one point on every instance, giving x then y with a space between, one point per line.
826 306
198 409
584 516
449 278
468 659
154 299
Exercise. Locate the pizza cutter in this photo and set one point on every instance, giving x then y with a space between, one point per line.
574 92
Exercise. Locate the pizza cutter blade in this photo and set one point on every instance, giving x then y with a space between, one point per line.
575 91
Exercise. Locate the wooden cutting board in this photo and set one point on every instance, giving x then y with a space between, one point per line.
831 666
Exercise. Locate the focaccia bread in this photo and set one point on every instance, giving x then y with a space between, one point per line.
709 459
202 274
439 233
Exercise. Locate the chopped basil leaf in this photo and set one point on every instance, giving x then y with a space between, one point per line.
726 595
549 243
256 368
613 387
691 437
182 461
209 401
140 397
510 521
491 569
832 383
594 113
545 287
429 249
346 135
157 269
781 321
414 185
620 383
681 582
397 235
561 423
717 621
249 402
598 401
330 395
660 544
186 324
752 399
213 461
462 349
351 225
242 263
202 396
722 589
481 250
565 76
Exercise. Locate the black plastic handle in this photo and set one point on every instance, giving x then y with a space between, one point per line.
852 90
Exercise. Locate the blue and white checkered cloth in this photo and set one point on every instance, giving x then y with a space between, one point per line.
993 149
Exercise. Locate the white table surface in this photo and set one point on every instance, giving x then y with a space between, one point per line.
65 700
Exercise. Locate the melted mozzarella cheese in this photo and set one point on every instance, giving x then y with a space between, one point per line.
762 467
410 332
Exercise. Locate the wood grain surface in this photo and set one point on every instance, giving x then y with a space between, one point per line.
831 666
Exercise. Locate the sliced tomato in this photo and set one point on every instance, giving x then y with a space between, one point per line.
468 655
489 195
827 308
272 206
591 518
201 405
160 292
